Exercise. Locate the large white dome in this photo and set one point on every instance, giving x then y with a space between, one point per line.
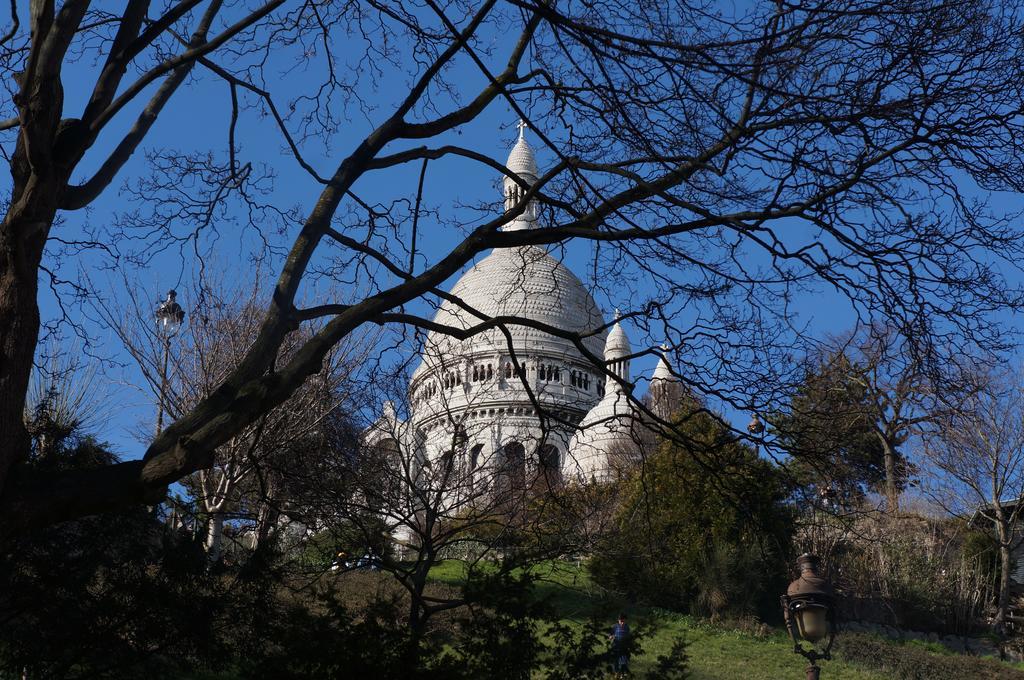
515 392
523 282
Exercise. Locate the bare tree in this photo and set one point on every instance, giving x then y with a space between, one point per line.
241 482
899 401
976 452
901 392
482 509
716 162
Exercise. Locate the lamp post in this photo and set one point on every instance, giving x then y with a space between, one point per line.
809 611
755 427
169 317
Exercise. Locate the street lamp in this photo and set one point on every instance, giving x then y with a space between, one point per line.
169 317
809 610
755 427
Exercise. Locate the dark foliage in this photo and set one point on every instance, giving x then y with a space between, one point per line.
703 527
125 598
112 596
504 632
829 433
122 595
906 662
502 629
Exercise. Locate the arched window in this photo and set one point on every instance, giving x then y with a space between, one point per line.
474 456
549 464
490 373
572 378
558 374
512 473
508 370
475 376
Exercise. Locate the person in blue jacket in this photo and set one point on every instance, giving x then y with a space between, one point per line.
620 640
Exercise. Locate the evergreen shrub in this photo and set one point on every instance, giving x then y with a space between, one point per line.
906 662
703 528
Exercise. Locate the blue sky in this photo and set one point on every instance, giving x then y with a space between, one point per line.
197 120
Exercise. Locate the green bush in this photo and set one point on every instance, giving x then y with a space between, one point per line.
908 662
703 528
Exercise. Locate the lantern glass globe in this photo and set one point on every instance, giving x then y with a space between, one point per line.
812 622
167 324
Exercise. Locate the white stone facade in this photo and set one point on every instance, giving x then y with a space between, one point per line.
476 400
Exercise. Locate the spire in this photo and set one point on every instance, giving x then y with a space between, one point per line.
523 164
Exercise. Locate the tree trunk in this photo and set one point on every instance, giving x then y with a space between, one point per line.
1003 598
40 167
22 238
417 619
892 494
416 622
266 521
214 537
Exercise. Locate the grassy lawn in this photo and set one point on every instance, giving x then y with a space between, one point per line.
715 653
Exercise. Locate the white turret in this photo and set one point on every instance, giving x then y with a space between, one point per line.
609 435
616 353
666 388
523 164
662 372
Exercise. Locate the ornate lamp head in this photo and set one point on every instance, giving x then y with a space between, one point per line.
809 610
169 315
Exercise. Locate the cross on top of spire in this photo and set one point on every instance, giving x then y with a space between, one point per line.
522 127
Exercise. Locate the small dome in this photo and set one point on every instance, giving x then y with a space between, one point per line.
608 434
521 159
617 345
662 371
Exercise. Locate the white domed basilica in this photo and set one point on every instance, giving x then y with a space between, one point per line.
514 403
